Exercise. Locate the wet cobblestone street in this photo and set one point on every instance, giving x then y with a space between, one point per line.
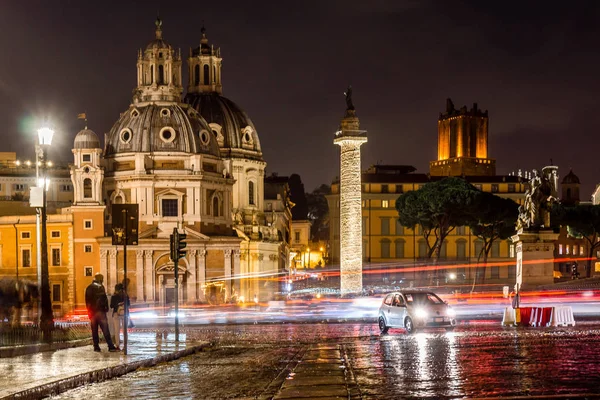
477 360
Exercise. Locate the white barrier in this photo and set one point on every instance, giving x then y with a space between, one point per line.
510 316
562 316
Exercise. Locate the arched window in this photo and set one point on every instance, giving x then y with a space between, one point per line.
251 193
423 248
206 74
399 244
151 74
385 248
161 75
478 248
214 73
87 188
215 207
197 74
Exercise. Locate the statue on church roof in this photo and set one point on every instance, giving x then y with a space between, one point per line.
348 94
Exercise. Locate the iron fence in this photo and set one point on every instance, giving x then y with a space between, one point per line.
32 334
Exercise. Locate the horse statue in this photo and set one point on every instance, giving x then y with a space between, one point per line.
14 295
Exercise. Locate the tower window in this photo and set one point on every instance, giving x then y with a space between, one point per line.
151 74
86 158
87 188
206 71
161 75
216 210
197 74
251 193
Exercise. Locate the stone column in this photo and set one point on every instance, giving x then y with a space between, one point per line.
201 277
111 279
192 293
236 271
139 275
149 272
227 274
104 263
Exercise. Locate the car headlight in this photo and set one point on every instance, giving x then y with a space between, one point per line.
450 311
421 313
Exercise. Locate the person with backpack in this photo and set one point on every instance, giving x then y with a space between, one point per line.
97 305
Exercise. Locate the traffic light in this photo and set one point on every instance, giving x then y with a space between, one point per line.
180 245
177 243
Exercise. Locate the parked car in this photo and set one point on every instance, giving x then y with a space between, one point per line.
412 309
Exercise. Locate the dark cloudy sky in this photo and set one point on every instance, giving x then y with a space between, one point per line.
534 65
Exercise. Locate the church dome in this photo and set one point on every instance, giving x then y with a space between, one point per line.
86 139
153 127
231 126
570 178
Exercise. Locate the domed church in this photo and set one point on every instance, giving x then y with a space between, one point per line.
195 165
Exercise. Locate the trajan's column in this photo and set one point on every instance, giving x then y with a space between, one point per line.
350 138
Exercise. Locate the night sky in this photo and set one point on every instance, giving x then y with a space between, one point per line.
534 65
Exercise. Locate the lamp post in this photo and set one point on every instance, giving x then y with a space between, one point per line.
46 320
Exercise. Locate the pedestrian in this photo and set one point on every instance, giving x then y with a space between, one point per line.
117 312
97 305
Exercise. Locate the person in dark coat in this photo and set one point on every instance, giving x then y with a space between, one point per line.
97 306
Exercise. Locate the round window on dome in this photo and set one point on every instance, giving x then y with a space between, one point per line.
165 112
204 137
246 137
126 136
167 134
134 113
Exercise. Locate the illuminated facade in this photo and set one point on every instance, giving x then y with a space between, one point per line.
350 138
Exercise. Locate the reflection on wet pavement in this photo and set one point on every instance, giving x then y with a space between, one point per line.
476 360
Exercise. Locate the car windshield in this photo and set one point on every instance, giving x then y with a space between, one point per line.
423 298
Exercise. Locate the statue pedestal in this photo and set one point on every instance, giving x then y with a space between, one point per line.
535 257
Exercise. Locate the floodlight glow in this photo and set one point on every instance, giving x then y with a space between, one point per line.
45 135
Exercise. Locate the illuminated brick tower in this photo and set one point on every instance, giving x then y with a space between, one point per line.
463 143
350 138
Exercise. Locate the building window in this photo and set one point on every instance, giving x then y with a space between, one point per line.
217 212
197 74
399 189
399 228
423 249
459 230
19 187
461 249
206 74
56 293
66 188
494 188
496 249
87 248
87 158
169 208
567 249
88 271
297 236
56 257
385 225
399 244
511 188
55 234
575 252
87 188
478 248
87 224
385 189
385 248
25 235
495 272
581 250
251 193
26 258
385 203
560 249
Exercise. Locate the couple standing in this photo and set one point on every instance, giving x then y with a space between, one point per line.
98 307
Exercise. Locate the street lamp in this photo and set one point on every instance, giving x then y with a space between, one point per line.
46 320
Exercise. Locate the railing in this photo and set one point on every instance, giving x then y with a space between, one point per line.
32 334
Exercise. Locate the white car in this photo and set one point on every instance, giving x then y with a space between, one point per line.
413 309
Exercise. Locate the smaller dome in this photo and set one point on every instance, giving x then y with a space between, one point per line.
86 139
570 178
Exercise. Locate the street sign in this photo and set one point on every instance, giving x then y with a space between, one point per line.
122 228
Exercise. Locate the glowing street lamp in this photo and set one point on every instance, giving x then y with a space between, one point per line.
45 135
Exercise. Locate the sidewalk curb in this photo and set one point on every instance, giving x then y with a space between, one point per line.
100 375
7 352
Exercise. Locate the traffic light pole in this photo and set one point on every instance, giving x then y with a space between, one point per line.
125 301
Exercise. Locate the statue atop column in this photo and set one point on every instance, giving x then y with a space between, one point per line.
534 213
348 94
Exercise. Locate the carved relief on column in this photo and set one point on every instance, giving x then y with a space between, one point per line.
139 275
201 276
111 279
149 277
192 293
104 262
